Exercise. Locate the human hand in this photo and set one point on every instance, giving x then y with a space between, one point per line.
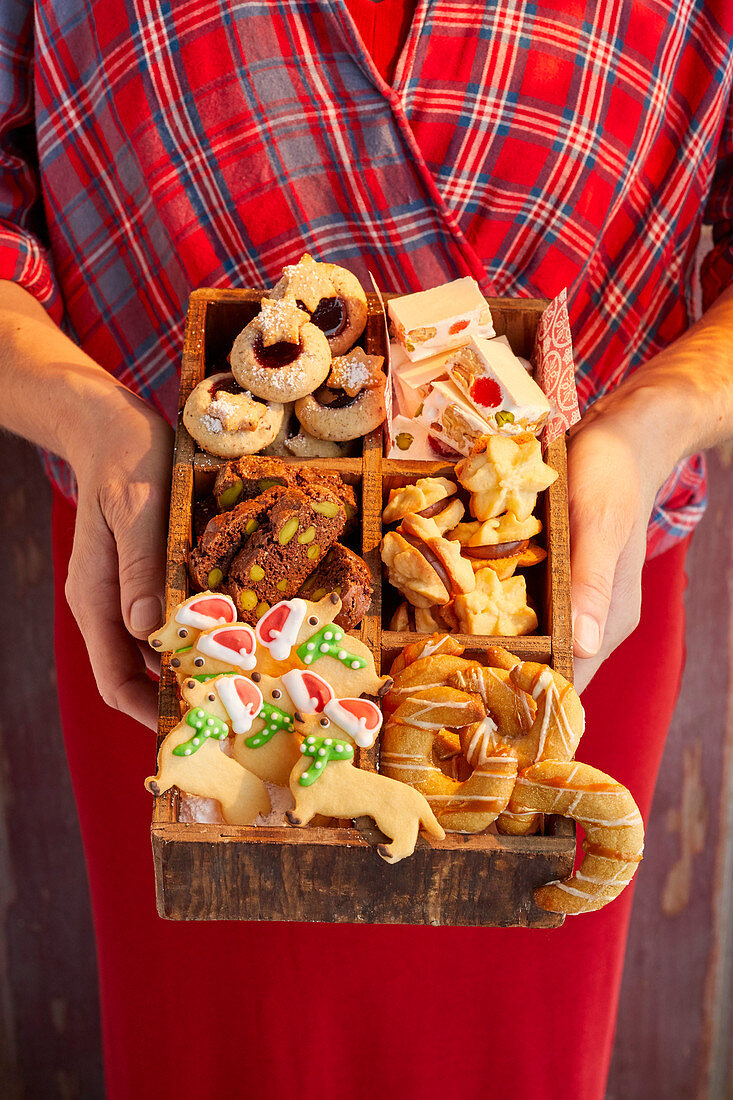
619 457
117 569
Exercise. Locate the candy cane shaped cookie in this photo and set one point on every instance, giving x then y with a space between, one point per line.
408 754
554 735
614 841
436 643
426 672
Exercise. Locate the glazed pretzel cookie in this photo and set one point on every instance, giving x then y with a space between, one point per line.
429 671
614 840
423 731
427 647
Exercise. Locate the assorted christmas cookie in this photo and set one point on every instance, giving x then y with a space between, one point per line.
430 497
280 355
227 420
505 474
335 415
332 297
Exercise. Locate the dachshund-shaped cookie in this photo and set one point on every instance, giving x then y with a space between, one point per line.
304 633
191 756
203 611
325 781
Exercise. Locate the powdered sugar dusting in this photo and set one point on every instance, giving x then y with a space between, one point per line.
308 282
280 321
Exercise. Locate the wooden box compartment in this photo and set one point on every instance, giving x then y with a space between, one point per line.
214 871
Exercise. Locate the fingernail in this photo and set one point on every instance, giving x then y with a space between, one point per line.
587 634
146 614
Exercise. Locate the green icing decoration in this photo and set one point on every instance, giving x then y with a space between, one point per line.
206 726
326 642
184 649
204 677
323 749
275 720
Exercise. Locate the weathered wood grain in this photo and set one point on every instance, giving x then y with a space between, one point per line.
49 1028
676 1017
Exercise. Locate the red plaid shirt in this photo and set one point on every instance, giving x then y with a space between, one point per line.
532 146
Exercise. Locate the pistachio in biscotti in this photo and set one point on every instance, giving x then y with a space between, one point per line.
287 531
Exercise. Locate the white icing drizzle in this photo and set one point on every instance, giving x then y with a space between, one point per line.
458 797
481 741
410 689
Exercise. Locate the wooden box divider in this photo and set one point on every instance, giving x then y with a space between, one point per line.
213 871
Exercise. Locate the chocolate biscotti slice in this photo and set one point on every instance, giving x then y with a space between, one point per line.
223 538
345 573
293 537
245 478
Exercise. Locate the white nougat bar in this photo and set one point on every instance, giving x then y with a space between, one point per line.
440 319
496 383
450 418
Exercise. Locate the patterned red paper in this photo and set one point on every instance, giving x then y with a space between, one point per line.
555 368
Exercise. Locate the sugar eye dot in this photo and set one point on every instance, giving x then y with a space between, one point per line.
198 662
276 694
313 620
211 698
183 633
325 722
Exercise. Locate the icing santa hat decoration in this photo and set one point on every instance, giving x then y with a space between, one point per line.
311 694
360 718
241 699
277 630
235 645
308 691
202 612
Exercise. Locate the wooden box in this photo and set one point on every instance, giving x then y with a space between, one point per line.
216 872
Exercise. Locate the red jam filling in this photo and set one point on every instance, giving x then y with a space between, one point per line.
276 355
335 399
329 316
225 385
486 392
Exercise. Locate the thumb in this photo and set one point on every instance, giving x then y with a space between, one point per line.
597 537
140 537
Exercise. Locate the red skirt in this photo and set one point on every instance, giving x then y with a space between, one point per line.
327 1011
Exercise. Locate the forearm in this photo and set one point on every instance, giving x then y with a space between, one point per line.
681 401
53 393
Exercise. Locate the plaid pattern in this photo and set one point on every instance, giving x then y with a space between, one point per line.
532 146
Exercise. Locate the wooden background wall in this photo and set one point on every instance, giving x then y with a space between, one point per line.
675 1034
